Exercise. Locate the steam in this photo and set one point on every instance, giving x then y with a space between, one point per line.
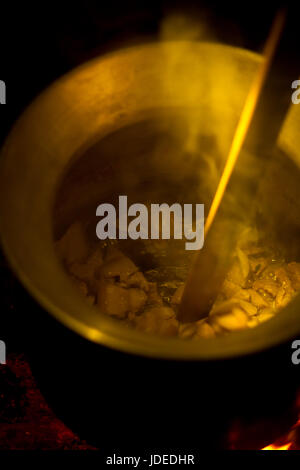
212 85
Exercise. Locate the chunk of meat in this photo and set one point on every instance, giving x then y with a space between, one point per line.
117 300
228 305
242 294
119 267
187 330
283 297
248 307
153 296
73 245
81 286
177 296
252 322
113 299
159 320
267 285
137 299
88 271
204 330
265 315
137 279
168 327
229 288
257 299
237 319
294 274
277 272
258 264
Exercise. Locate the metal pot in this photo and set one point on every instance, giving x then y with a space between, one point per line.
128 375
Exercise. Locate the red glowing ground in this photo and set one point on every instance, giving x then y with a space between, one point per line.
26 421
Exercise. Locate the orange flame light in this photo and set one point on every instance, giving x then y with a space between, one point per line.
289 442
274 447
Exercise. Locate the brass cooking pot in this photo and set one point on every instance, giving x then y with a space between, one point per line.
94 100
88 105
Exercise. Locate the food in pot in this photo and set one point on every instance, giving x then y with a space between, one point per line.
258 285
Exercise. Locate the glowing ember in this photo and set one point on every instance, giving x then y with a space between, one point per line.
289 442
274 447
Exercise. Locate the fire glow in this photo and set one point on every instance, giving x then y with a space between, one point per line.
274 447
288 442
